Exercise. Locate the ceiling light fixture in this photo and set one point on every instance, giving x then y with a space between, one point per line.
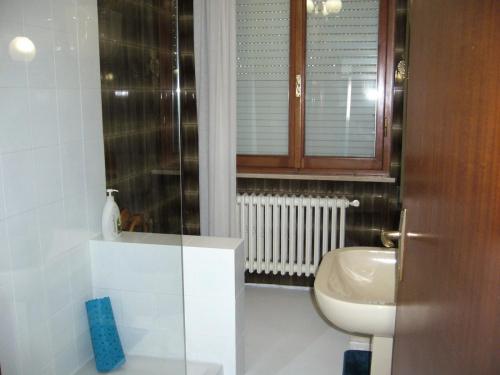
325 7
22 49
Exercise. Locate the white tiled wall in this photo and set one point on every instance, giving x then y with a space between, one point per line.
51 183
142 275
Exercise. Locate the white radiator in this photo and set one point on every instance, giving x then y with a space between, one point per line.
288 234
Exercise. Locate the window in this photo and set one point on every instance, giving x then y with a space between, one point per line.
312 86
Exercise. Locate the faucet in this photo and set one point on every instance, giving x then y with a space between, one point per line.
389 236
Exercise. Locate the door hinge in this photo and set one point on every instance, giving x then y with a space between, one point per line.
386 126
298 86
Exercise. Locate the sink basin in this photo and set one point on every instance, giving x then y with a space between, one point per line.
355 289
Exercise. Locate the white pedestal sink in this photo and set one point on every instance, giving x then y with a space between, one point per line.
355 289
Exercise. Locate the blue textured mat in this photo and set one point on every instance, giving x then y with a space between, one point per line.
108 351
357 362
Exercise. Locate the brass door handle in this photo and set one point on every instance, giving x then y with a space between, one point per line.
298 86
401 72
389 236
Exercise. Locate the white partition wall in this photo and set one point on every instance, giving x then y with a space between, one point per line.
142 274
214 271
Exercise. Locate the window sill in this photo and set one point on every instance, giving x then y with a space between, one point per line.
348 178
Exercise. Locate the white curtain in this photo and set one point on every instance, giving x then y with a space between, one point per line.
215 66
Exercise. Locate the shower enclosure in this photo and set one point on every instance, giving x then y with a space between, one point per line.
89 98
140 58
139 77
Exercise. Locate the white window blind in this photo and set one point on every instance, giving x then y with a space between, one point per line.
341 81
263 68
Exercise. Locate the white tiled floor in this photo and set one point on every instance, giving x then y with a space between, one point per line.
285 335
137 365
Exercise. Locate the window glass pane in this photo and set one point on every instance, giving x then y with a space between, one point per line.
263 55
341 78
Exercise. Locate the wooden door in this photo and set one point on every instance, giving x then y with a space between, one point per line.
448 302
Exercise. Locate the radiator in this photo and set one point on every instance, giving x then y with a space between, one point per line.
288 234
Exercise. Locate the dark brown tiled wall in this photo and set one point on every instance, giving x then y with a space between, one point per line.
138 51
189 124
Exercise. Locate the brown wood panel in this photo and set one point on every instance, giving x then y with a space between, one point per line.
249 163
262 161
339 163
296 158
448 302
297 67
384 106
385 124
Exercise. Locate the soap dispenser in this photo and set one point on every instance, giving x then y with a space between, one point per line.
111 221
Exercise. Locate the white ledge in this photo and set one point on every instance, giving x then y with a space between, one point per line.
144 238
221 243
349 178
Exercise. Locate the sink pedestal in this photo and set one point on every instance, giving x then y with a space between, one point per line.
381 355
355 289
360 343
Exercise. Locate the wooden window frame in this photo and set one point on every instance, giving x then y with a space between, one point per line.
296 162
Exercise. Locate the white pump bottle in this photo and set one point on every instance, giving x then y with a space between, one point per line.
111 220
